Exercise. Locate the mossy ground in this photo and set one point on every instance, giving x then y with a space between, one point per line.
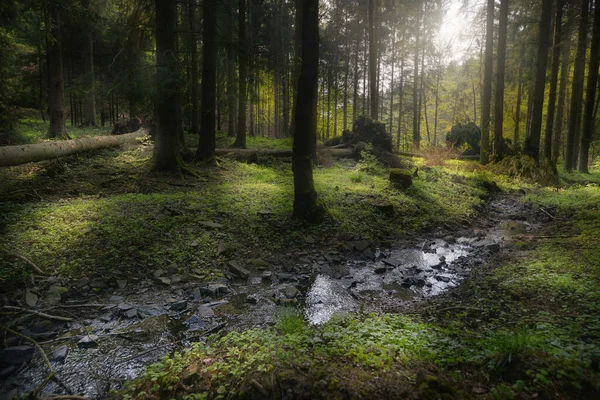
525 327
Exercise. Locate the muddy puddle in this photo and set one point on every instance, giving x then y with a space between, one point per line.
136 325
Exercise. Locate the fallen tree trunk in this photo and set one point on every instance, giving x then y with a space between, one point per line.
17 155
247 153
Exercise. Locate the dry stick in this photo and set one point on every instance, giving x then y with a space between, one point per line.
547 213
39 314
208 332
28 261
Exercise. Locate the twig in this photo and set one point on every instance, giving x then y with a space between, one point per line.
547 213
39 314
259 387
206 333
28 261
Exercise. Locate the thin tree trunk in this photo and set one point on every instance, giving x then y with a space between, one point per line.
195 122
435 117
355 86
416 132
499 103
231 78
206 145
373 61
329 78
57 84
391 128
547 153
346 73
421 93
487 84
562 94
518 106
90 95
400 104
335 102
590 94
577 90
306 204
364 81
241 131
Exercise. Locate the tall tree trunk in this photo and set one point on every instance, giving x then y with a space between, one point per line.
306 204
297 59
435 116
562 94
590 94
484 157
532 146
90 95
518 106
416 131
166 142
195 122
57 83
241 131
355 85
421 93
400 104
391 128
577 90
426 119
365 106
231 75
373 61
346 73
547 153
335 101
499 103
329 78
206 145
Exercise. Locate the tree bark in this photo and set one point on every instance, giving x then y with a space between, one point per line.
499 103
391 128
590 94
373 61
487 84
562 94
400 104
416 131
231 75
577 90
206 145
57 83
306 204
166 143
195 122
90 96
241 131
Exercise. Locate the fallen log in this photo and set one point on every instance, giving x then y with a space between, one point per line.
17 155
247 153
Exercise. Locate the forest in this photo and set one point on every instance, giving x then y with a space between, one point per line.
299 199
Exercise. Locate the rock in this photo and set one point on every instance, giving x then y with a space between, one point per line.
31 298
443 278
251 300
309 239
176 278
221 248
291 292
205 311
172 268
284 277
124 307
6 372
97 283
238 270
209 224
164 280
16 355
493 247
60 353
179 305
148 311
121 283
214 289
88 341
401 179
130 313
267 276
361 245
383 207
368 254
85 281
105 317
54 294
158 273
394 262
196 295
413 281
115 299
380 270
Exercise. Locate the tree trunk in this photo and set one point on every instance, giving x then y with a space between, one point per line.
577 90
306 204
329 78
346 73
90 96
487 84
416 132
562 94
335 101
373 61
400 104
231 78
57 83
435 116
166 142
206 145
17 155
499 103
391 128
590 94
355 86
195 122
241 131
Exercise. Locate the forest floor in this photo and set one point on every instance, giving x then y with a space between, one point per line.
144 264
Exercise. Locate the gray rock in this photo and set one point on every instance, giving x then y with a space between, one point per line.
267 276
121 283
413 281
16 355
132 313
158 273
251 300
196 295
380 270
60 353
31 298
85 281
179 305
368 254
443 278
284 277
172 268
54 294
88 341
97 283
176 278
493 247
361 245
205 311
222 248
148 311
164 280
115 299
291 292
394 262
214 289
124 307
238 269
105 317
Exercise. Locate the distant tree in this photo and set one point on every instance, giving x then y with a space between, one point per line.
241 131
487 83
577 90
206 145
166 143
565 69
500 72
547 154
90 95
306 205
373 93
195 122
56 91
532 145
590 94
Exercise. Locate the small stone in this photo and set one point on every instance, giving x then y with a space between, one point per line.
381 270
493 247
179 305
97 283
267 276
413 281
85 281
196 295
238 269
394 262
124 307
291 292
60 353
164 280
214 289
148 311
130 313
443 278
31 298
105 317
194 243
16 355
309 239
115 299
205 311
251 300
221 248
361 245
172 268
176 278
368 254
88 341
158 273
121 283
478 390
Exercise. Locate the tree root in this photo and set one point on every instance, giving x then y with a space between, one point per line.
27 260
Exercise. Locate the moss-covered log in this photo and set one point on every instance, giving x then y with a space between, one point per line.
17 155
